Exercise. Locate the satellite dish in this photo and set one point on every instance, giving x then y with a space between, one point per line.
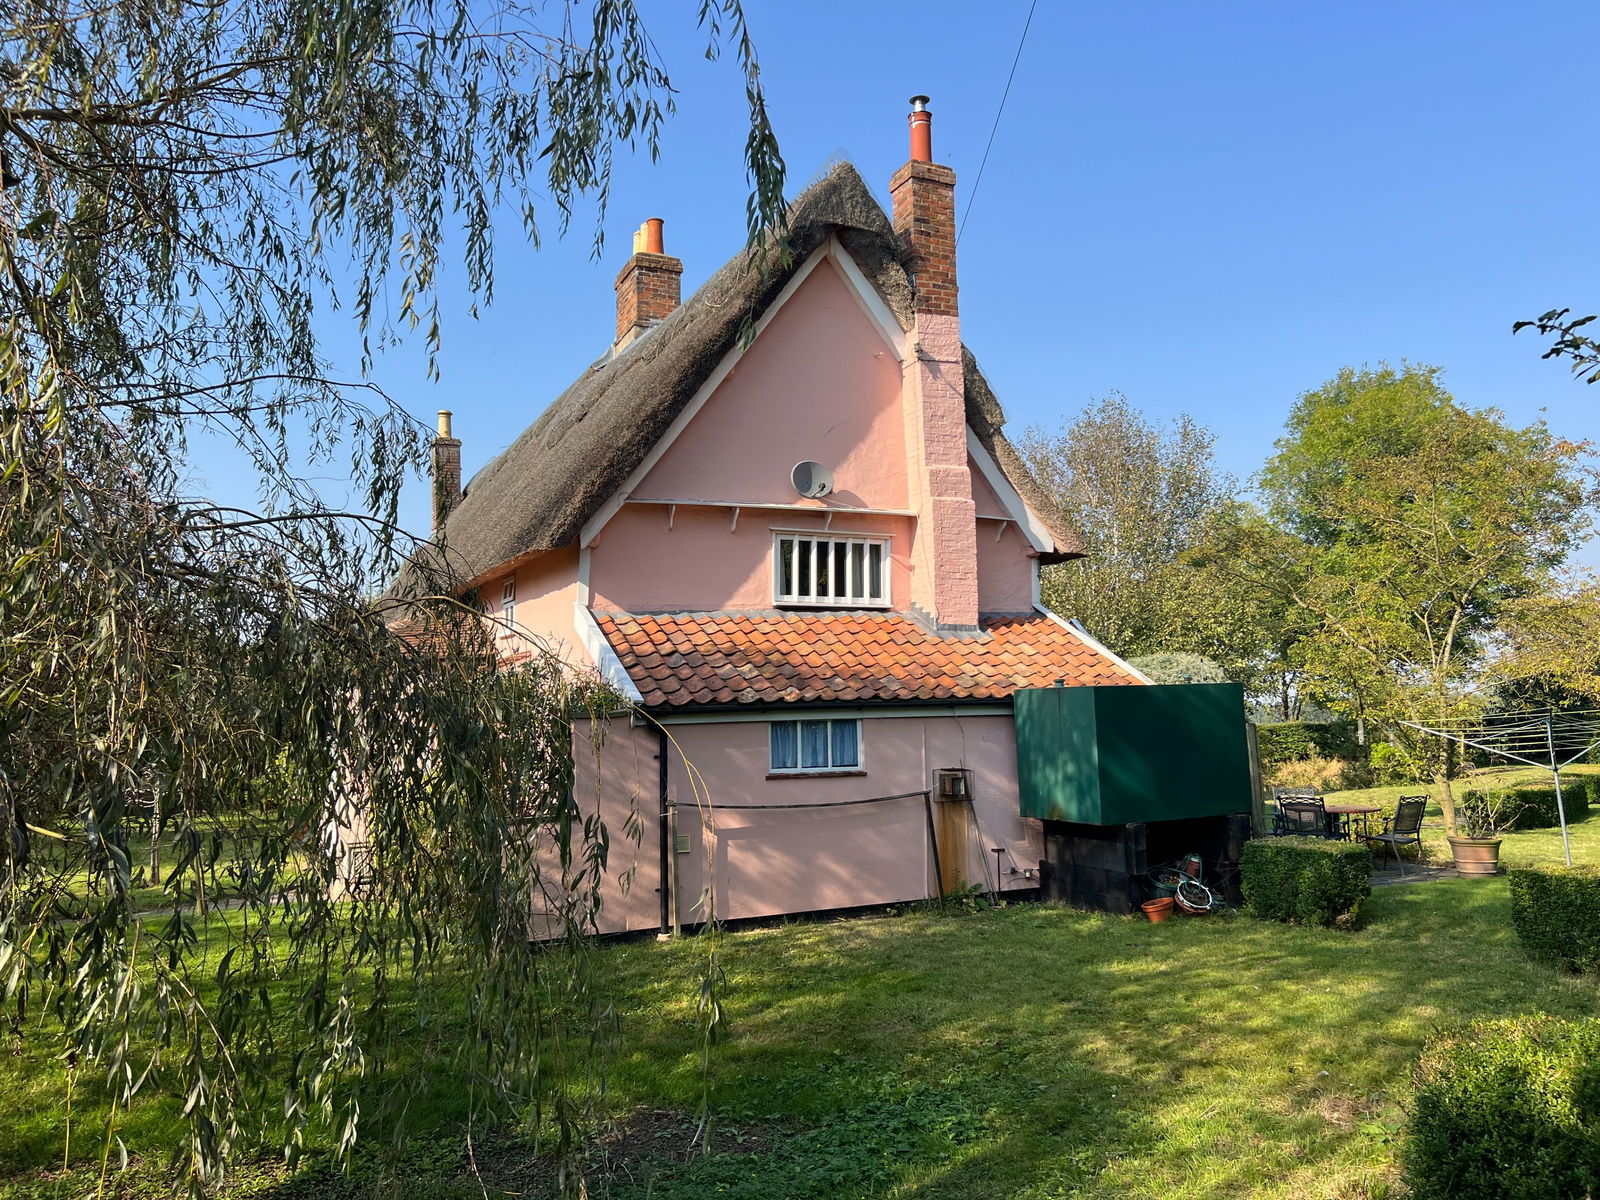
811 479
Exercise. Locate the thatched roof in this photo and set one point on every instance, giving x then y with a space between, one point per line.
537 495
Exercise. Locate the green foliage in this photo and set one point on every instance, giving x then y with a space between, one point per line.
1556 913
1141 495
1530 805
184 185
1178 667
855 1150
1507 1110
968 898
1403 526
1286 741
1581 351
1394 765
1307 881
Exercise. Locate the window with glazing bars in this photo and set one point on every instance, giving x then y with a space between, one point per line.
837 572
814 745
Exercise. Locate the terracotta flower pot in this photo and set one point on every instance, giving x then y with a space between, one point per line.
1158 910
1476 856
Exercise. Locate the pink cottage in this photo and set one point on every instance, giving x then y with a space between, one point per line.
783 519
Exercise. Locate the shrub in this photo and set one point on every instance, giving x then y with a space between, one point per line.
1324 774
1556 913
1533 805
1289 741
1304 880
1506 1110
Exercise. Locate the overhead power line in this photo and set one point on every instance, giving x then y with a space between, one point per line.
999 112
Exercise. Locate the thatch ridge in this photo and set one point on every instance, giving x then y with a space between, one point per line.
537 494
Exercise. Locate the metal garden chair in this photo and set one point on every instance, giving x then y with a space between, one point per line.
1404 828
1303 816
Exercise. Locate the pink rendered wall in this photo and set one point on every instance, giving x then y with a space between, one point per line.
784 402
639 565
547 589
1005 566
792 860
819 383
618 779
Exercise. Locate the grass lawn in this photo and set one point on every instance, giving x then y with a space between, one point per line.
1526 848
1027 1052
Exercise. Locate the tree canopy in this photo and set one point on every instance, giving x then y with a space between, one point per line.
1403 526
1141 495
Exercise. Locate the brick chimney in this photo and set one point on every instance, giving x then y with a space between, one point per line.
446 472
649 286
945 575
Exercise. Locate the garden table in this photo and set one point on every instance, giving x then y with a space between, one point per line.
1344 814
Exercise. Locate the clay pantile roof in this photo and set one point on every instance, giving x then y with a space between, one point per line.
538 493
701 659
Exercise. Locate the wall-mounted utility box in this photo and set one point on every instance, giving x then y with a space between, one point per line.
1112 755
952 783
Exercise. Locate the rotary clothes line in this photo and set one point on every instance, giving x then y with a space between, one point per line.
1549 740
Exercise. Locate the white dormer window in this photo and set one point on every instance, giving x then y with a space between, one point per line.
830 572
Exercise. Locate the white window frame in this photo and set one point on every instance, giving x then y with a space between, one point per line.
508 604
858 767
781 599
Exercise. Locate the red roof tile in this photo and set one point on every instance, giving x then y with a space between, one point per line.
680 659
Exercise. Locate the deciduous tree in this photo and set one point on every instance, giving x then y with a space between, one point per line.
1403 525
1142 496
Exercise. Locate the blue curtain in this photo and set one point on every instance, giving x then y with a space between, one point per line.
814 744
846 743
785 749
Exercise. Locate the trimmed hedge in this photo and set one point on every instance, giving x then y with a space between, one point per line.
1291 741
1556 913
1535 803
1306 880
1506 1110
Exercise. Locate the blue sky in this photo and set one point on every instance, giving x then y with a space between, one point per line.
1210 208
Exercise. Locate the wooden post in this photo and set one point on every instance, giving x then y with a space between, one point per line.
953 826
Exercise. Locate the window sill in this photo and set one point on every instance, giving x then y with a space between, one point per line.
814 774
846 606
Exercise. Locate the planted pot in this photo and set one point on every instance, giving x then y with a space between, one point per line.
1158 910
1476 856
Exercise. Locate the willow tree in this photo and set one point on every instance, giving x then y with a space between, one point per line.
188 189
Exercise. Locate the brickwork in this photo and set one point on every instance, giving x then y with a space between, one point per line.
446 481
924 197
649 287
946 582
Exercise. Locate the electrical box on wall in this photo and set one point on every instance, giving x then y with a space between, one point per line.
952 783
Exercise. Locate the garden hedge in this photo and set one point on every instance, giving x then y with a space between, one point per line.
1506 1110
1305 880
1291 741
1556 913
1535 803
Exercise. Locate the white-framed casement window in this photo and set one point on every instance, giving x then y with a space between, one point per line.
810 746
833 572
508 604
